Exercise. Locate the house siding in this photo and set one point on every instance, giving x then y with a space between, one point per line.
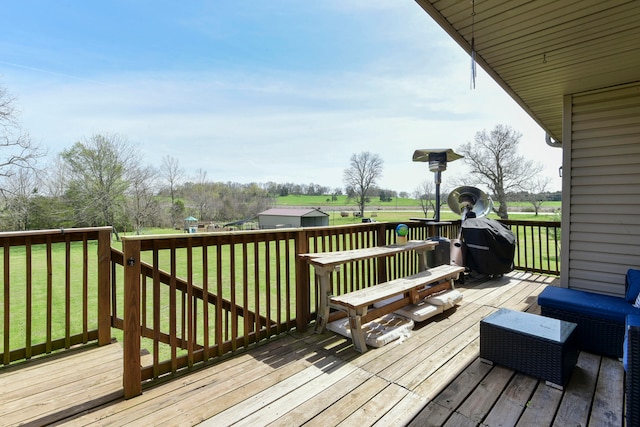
601 228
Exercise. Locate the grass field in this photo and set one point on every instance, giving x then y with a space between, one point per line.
64 300
401 216
343 201
400 210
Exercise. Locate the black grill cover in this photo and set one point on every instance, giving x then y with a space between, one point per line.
490 246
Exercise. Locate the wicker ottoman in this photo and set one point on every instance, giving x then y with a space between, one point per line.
539 346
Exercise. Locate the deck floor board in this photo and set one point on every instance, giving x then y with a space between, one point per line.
55 387
431 377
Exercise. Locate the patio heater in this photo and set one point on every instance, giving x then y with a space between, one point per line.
438 159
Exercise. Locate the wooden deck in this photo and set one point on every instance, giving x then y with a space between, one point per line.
56 387
432 377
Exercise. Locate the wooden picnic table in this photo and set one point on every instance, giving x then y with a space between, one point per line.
325 263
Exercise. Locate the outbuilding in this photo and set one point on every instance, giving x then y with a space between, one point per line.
291 218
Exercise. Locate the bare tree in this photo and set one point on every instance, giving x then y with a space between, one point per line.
99 169
172 174
361 176
20 188
201 194
495 163
55 177
142 204
422 194
536 188
17 150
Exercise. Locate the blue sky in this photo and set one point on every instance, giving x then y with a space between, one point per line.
255 91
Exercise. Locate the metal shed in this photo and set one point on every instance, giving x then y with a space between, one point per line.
289 217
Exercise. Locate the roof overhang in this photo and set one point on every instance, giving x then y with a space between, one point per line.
539 51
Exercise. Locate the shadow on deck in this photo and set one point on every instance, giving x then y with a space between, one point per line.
433 377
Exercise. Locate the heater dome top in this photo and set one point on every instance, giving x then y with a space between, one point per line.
423 154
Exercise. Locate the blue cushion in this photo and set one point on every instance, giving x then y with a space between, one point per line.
632 285
604 307
624 352
632 321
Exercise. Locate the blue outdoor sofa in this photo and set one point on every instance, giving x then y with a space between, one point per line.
607 325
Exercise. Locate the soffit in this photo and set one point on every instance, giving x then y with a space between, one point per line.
541 50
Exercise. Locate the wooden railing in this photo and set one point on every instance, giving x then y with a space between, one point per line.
55 290
186 299
193 297
538 245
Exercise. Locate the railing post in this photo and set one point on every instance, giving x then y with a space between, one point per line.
381 263
132 375
104 287
303 288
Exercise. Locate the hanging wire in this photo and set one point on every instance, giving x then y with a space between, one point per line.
473 44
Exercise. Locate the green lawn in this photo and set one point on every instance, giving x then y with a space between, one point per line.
342 201
20 319
399 210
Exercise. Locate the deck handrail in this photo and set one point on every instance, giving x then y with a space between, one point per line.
86 320
241 287
538 245
271 290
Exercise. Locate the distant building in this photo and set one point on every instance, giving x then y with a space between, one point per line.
292 218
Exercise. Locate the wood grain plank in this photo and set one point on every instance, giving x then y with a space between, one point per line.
513 401
460 420
43 392
403 411
576 403
283 404
542 407
367 296
243 412
375 408
193 405
434 334
608 402
448 372
319 402
441 407
318 379
459 339
51 362
62 374
480 402
199 384
54 406
336 413
341 257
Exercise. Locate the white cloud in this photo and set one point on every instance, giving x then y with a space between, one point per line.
286 125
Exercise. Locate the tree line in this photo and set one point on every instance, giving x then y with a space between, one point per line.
101 181
493 162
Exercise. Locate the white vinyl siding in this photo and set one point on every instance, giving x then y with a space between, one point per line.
604 189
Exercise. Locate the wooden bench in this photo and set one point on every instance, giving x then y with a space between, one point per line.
414 288
325 263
